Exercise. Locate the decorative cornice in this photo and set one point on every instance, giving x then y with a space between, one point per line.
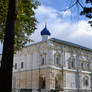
53 67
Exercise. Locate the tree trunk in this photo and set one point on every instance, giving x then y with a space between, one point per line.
8 49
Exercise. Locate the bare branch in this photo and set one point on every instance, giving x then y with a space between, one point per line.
79 3
69 7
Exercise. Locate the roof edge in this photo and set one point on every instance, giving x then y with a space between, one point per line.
70 44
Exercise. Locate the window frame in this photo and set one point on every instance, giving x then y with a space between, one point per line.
16 66
22 65
86 81
43 59
57 58
72 62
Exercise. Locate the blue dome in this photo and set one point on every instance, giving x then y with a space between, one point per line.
45 31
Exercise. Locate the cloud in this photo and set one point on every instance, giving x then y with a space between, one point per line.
44 11
62 28
66 13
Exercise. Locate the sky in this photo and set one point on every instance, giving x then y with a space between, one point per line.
65 25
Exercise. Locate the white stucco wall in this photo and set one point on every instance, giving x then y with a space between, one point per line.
31 56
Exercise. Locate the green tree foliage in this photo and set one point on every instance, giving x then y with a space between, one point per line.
3 16
87 11
17 23
25 24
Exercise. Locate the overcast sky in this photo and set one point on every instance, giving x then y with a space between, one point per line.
64 25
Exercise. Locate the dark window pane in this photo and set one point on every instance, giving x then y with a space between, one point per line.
42 61
22 64
82 65
57 60
88 66
16 66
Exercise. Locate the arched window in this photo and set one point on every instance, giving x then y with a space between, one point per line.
22 65
58 81
72 62
57 85
43 59
82 66
88 66
15 65
82 62
86 81
42 82
88 63
57 58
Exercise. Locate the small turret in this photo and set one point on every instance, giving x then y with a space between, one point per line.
45 34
